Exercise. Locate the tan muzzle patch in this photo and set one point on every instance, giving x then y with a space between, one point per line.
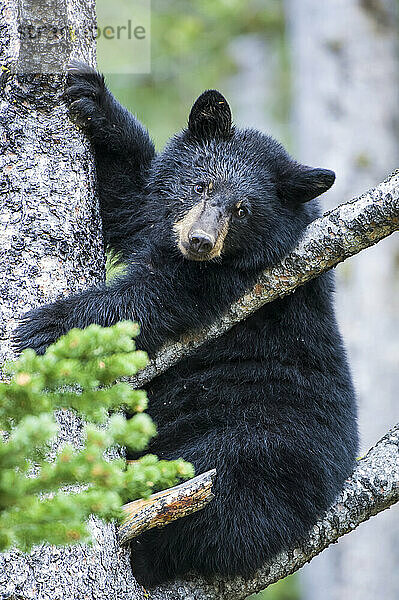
200 218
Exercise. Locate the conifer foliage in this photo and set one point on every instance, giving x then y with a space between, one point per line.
46 499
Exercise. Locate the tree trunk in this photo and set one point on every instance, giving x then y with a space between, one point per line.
50 245
345 94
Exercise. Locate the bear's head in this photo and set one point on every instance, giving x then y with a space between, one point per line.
229 194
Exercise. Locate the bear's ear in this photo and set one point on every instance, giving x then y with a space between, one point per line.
210 117
302 183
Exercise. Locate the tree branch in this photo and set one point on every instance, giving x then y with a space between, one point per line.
166 506
338 234
373 487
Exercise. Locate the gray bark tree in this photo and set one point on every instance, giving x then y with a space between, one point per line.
50 242
50 245
345 94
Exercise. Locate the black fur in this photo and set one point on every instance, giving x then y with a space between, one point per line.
210 117
270 404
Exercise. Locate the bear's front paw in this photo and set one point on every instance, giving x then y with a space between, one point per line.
40 327
84 94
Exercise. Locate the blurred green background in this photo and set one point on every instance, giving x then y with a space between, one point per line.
192 50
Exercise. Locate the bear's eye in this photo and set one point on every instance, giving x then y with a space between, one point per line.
199 188
240 212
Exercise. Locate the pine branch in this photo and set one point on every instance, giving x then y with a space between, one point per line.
337 235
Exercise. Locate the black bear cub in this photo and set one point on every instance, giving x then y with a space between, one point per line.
270 404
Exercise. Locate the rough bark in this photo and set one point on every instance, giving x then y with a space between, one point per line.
46 248
340 233
346 79
50 245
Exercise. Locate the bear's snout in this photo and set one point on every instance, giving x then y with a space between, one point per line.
202 231
200 242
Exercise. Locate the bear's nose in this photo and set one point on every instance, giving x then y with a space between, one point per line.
200 242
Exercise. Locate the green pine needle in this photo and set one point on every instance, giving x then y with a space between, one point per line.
44 500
